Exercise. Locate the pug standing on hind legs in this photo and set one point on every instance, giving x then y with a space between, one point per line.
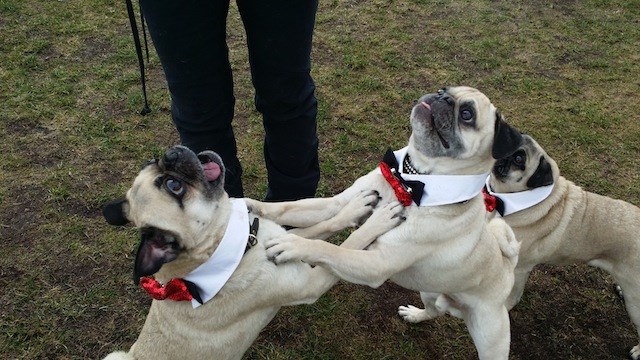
559 223
214 288
446 249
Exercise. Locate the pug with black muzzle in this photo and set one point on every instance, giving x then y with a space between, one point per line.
446 249
213 287
560 223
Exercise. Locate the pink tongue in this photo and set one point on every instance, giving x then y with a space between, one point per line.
211 171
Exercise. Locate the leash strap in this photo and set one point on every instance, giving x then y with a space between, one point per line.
136 39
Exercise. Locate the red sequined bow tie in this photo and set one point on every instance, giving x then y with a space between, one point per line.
175 289
406 190
492 202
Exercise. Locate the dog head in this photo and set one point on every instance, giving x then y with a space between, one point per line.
173 201
459 131
527 168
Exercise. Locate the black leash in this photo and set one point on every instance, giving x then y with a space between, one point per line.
136 39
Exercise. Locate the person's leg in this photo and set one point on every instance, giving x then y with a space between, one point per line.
279 35
190 38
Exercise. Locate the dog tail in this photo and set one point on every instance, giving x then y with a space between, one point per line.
507 241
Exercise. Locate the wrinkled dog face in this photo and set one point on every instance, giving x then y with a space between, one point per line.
527 168
460 123
172 201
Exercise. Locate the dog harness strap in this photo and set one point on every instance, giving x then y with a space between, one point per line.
175 289
253 234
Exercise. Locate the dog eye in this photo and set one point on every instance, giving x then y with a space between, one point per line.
518 160
466 115
174 186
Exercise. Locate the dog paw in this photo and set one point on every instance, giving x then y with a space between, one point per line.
287 248
618 291
253 206
634 353
357 210
413 314
385 218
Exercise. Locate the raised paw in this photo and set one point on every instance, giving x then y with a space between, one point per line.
253 206
357 209
287 248
385 218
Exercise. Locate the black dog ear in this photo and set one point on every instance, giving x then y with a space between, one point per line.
543 175
506 139
115 212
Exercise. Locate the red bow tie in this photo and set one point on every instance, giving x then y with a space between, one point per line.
176 289
492 202
407 191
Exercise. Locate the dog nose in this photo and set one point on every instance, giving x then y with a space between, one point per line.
172 155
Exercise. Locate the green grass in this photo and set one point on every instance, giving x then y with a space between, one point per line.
72 139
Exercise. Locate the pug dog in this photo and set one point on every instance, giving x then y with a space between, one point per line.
560 223
214 288
446 249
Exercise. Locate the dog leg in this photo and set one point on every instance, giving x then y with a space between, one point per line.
364 267
308 212
353 214
289 248
521 277
119 355
414 314
489 327
300 213
631 293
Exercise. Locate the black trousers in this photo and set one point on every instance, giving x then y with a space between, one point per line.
190 39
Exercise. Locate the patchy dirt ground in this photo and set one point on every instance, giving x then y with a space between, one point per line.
71 139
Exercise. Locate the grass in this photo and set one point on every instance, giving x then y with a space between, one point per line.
72 139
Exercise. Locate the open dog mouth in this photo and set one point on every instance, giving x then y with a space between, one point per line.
210 168
156 248
434 127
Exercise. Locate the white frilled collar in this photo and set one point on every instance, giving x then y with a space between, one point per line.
211 276
444 189
518 201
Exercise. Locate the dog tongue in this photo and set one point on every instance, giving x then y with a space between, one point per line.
211 171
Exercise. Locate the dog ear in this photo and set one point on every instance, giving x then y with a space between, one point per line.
506 138
543 175
115 212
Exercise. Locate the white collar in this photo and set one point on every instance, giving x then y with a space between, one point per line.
211 276
518 201
443 189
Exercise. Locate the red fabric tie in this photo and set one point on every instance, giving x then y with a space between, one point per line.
490 201
401 192
175 289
